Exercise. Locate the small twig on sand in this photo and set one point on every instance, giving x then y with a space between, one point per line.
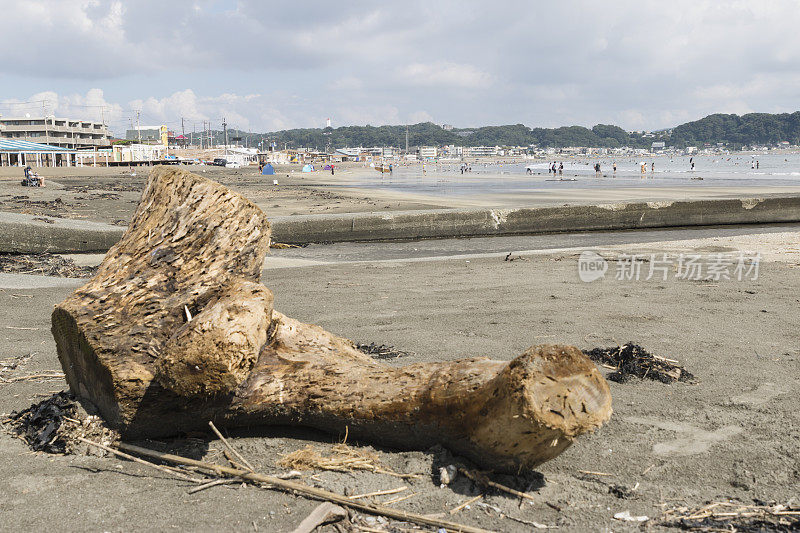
52 375
210 484
399 499
234 463
227 445
305 490
536 525
590 473
379 493
141 461
483 480
466 503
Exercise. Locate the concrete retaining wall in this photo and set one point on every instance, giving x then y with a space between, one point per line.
36 234
488 222
27 233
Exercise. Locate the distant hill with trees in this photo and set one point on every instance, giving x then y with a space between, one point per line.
732 130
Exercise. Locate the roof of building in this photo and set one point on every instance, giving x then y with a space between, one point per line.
11 145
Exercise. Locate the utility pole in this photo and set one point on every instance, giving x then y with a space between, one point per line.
194 128
183 134
44 114
406 138
225 133
138 127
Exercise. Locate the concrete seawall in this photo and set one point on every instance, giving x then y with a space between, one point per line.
36 234
520 221
31 234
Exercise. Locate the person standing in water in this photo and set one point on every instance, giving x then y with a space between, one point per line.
615 167
561 169
653 166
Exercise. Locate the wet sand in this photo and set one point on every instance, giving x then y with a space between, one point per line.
111 194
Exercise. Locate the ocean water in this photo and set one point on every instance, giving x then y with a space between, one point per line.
715 171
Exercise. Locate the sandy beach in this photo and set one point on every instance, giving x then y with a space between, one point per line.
731 435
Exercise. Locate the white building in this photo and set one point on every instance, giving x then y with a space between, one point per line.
453 150
53 131
428 152
483 151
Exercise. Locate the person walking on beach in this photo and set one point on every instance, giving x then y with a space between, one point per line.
561 169
331 170
757 165
653 166
597 170
615 167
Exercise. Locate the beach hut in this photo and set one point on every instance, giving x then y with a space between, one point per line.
17 153
268 170
308 168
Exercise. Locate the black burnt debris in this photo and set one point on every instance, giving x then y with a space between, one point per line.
44 264
381 351
56 424
631 360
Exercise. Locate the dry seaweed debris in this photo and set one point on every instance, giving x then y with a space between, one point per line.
343 458
44 264
381 351
734 516
632 360
55 425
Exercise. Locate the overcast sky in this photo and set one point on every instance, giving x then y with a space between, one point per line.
274 65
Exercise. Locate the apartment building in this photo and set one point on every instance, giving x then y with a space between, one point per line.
428 152
54 131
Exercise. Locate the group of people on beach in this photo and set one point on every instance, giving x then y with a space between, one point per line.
466 168
556 168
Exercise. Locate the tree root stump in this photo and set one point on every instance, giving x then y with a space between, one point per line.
175 329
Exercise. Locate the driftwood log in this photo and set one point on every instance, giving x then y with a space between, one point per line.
175 329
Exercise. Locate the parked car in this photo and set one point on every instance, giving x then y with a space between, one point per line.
233 164
220 162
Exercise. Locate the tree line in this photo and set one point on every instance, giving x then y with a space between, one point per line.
731 130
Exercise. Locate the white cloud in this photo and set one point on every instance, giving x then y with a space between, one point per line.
348 83
90 106
420 116
443 74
